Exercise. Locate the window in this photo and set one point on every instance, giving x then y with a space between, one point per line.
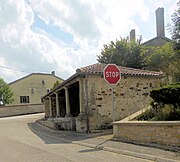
32 90
24 99
43 82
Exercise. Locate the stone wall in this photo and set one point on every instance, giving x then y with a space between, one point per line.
6 111
131 95
67 123
48 123
163 133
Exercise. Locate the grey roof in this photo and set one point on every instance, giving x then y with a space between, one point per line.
151 40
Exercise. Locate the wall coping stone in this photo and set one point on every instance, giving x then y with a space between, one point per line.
19 105
141 123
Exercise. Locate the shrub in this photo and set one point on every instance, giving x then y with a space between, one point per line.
169 94
165 105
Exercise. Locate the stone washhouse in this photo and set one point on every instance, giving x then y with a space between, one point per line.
83 102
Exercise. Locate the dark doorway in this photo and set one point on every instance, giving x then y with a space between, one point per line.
74 99
62 103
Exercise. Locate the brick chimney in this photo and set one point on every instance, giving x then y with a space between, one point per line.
132 35
160 22
53 72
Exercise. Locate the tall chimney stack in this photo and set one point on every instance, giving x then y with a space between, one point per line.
132 35
53 72
160 22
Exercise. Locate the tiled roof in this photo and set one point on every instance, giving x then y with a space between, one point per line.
98 69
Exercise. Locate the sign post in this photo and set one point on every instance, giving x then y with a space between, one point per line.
113 112
112 75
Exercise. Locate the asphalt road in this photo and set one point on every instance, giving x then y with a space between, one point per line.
19 144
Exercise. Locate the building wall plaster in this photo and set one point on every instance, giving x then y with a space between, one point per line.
131 94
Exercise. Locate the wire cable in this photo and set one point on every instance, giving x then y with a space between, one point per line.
22 71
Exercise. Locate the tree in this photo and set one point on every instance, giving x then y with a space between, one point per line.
166 58
6 94
56 84
163 58
174 27
122 52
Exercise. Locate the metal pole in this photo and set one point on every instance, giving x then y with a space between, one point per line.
113 115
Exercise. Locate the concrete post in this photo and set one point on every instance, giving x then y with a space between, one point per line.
57 106
68 113
50 106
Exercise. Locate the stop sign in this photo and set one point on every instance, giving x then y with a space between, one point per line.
112 74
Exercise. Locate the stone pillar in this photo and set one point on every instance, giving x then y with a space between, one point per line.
57 106
81 95
81 120
50 107
68 113
46 107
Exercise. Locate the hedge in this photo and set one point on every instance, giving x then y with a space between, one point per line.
165 105
169 94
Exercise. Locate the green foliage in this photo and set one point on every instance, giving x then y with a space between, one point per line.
174 27
163 58
149 114
165 105
161 113
169 94
56 84
122 52
167 113
159 57
167 58
6 92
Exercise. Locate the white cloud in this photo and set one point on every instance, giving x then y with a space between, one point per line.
92 19
73 16
24 49
91 23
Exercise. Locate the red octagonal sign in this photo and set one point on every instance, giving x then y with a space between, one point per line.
112 74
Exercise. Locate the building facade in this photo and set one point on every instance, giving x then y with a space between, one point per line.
84 101
30 89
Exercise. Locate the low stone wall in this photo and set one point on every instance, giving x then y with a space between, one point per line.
163 133
48 123
12 110
67 123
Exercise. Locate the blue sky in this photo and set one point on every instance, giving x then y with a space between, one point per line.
52 29
63 35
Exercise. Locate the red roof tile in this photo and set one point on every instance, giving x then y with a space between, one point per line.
98 69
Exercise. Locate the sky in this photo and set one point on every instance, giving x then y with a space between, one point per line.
41 36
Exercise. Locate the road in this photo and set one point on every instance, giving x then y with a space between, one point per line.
19 144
